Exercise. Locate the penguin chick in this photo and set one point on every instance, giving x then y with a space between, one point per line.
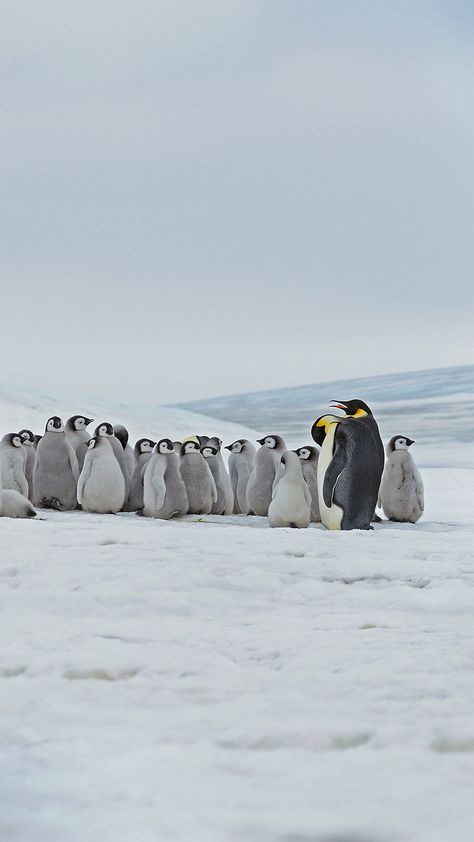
401 492
224 478
14 504
141 454
259 488
105 429
13 464
291 502
241 465
29 443
121 433
309 457
198 479
101 486
56 471
164 491
77 436
210 454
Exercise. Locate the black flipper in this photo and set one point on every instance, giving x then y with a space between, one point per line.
335 467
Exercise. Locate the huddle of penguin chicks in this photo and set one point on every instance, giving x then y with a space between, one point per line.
67 469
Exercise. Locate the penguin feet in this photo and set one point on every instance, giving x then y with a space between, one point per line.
52 503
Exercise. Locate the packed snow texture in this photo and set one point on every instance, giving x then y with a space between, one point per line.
213 680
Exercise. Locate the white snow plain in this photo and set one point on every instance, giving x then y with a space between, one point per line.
213 680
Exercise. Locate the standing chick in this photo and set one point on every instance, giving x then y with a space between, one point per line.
198 479
259 488
241 465
401 492
101 486
291 501
164 491
309 462
29 443
13 464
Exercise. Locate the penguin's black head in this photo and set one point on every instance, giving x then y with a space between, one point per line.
398 443
318 431
215 441
189 447
236 446
164 446
14 439
93 442
27 436
121 433
320 427
104 429
306 453
209 450
271 441
203 440
54 425
144 446
353 408
78 422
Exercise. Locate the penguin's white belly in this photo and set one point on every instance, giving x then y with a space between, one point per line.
289 505
331 517
104 490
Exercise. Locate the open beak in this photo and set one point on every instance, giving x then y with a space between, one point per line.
339 405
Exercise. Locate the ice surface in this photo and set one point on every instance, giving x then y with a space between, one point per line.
213 680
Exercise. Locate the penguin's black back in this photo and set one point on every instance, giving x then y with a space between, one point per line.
353 476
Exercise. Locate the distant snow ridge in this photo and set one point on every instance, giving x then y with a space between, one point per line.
434 407
30 408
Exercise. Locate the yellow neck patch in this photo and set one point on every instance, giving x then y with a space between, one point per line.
328 421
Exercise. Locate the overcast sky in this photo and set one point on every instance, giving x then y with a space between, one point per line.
201 198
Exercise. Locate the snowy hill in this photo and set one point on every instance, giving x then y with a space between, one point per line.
214 680
31 408
435 407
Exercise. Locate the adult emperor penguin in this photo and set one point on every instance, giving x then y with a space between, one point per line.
77 435
56 470
241 465
291 501
198 479
101 484
105 429
29 443
309 457
401 490
224 478
259 488
121 433
349 470
164 491
142 454
13 464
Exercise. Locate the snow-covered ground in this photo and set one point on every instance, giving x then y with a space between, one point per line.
212 680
